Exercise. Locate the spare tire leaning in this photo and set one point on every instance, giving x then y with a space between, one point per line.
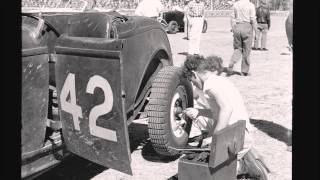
170 94
205 26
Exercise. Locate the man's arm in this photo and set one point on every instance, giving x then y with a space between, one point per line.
253 18
232 18
268 18
225 109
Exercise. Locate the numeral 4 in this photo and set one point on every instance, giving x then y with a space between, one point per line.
71 105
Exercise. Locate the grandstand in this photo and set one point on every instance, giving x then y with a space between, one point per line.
113 4
81 5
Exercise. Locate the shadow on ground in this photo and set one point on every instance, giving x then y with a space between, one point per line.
274 130
149 154
139 138
175 177
77 168
183 53
138 135
73 168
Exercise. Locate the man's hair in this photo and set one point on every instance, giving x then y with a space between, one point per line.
191 64
199 63
211 63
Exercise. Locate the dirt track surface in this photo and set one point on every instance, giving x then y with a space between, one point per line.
267 94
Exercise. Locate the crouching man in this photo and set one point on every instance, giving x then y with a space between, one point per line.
223 104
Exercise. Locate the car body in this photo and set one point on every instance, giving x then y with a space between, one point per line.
86 77
173 21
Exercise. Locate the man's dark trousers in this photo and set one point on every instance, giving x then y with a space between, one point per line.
242 42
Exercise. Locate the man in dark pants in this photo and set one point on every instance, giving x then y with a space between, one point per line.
243 21
263 20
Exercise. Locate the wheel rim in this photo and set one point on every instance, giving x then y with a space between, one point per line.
178 103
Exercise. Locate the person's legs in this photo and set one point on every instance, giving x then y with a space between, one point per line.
257 38
237 45
249 161
264 36
186 28
247 33
198 23
241 169
191 37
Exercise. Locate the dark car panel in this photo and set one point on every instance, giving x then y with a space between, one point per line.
35 83
135 64
106 140
37 73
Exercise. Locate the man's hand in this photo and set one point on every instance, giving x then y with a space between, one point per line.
191 113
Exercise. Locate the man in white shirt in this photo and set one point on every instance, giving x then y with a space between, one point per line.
195 13
149 8
243 22
223 106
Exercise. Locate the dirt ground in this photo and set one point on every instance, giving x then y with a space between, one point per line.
267 94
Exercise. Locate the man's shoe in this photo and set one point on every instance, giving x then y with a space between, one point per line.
186 38
264 49
256 49
255 167
245 74
229 71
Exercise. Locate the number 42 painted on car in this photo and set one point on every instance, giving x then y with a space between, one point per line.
69 105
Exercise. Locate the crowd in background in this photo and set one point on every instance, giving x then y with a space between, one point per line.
132 4
122 4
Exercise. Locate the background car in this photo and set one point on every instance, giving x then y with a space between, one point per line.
172 21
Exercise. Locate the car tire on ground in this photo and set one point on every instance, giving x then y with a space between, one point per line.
173 27
205 26
170 94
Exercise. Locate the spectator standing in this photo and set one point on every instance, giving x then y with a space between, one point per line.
195 13
225 106
149 8
263 20
288 24
243 21
186 20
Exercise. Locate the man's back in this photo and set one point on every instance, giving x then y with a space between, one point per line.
224 86
263 14
243 11
149 8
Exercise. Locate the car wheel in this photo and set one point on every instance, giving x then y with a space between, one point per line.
205 26
173 27
170 94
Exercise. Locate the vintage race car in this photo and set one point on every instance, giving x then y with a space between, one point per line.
87 76
173 22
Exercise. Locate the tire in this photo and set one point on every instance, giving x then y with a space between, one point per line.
173 27
170 94
205 26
